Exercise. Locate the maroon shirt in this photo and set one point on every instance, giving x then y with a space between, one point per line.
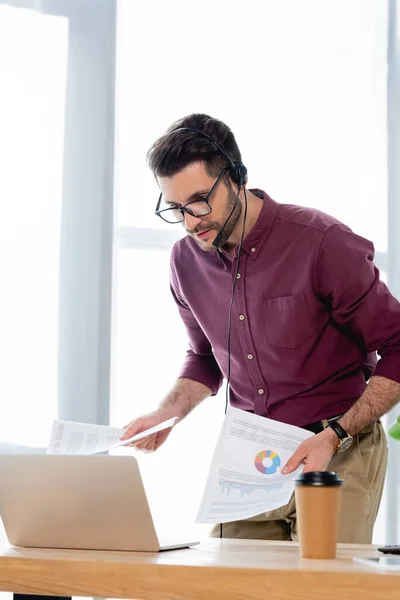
308 315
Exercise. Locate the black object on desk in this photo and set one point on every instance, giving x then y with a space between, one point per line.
37 597
389 549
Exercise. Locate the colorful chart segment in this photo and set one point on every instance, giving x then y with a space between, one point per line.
273 467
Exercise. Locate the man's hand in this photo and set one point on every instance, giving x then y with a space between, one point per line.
151 442
183 398
316 453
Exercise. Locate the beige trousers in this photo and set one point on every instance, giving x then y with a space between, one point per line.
363 468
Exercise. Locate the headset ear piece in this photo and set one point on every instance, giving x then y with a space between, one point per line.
239 175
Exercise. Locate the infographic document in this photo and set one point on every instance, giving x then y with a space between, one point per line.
245 477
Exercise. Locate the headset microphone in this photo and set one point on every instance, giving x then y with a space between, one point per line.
218 239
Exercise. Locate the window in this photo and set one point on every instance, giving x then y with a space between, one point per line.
33 61
303 86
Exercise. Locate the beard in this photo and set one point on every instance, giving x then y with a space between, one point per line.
227 224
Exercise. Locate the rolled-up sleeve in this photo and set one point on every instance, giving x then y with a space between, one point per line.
200 364
360 303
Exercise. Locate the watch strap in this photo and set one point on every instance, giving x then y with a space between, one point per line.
338 429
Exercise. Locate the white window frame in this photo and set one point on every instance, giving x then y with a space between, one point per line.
87 210
392 485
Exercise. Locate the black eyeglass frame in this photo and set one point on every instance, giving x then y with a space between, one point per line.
183 209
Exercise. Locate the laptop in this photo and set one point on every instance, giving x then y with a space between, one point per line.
78 502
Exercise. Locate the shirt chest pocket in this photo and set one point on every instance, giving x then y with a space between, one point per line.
292 320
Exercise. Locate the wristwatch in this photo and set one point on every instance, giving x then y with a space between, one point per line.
345 440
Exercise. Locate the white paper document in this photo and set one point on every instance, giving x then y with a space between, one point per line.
68 437
245 477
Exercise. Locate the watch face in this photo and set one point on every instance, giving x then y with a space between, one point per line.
346 443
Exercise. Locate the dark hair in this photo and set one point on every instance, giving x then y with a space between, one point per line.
173 151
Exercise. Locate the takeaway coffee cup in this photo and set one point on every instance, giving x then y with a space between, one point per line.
318 497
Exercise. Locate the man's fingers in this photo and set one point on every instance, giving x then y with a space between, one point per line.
145 443
134 427
149 447
294 461
154 442
149 443
162 436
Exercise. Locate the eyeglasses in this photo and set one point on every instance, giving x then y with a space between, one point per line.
196 208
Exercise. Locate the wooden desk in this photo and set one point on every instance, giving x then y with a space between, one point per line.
215 570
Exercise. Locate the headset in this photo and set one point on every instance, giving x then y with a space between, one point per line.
237 170
238 174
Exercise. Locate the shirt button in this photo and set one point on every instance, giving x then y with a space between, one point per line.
238 276
261 391
250 356
253 249
241 317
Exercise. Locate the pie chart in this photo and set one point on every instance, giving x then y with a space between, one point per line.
274 460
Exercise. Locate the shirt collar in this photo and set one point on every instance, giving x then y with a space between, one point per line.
257 236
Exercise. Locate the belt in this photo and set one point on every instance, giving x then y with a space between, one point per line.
319 426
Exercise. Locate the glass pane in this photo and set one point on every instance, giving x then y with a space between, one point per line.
302 85
33 61
149 348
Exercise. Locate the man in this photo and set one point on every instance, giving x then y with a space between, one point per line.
309 314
